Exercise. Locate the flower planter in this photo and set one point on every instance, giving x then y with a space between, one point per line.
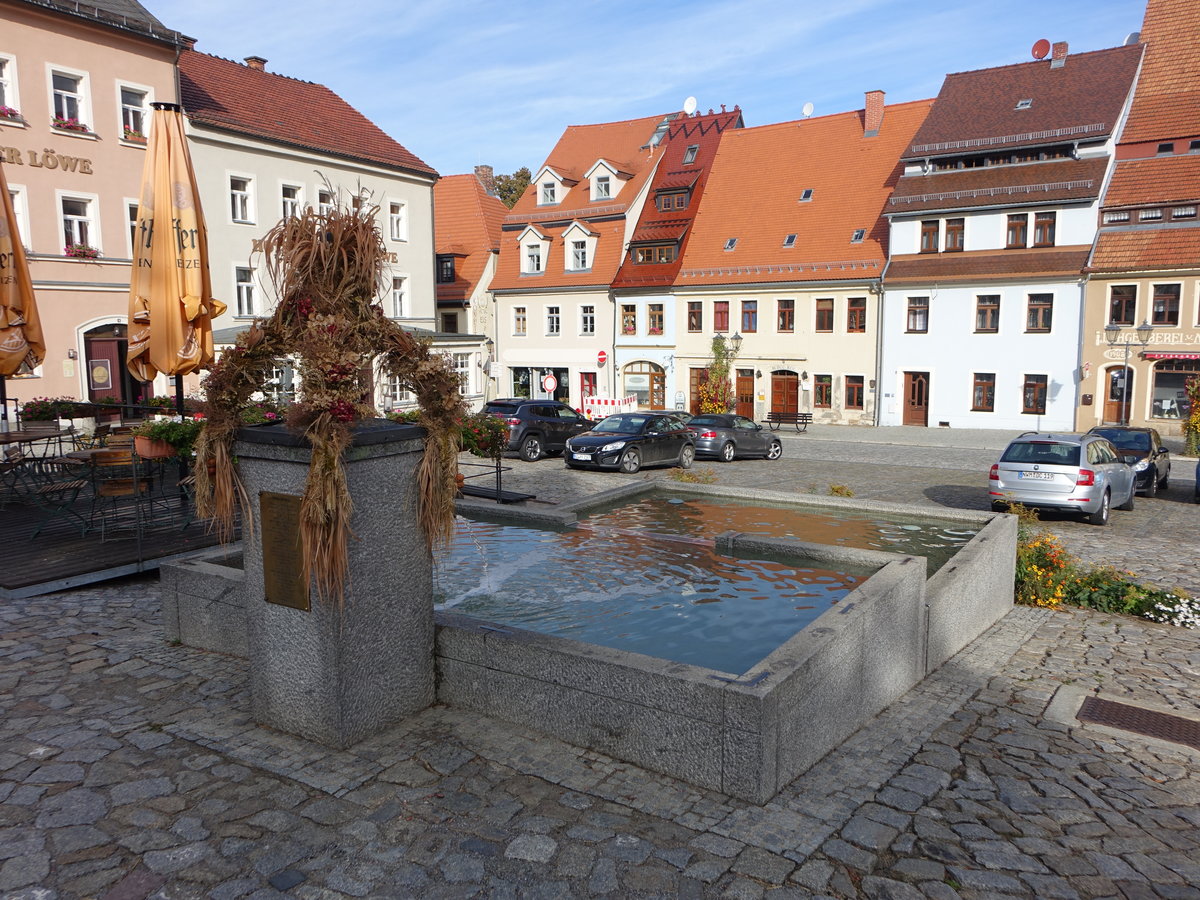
151 448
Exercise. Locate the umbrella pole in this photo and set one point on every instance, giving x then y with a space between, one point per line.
3 403
183 466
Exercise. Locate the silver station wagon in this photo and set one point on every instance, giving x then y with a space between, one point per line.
1080 473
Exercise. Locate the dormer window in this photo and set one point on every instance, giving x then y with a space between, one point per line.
579 248
1166 148
1183 212
788 241
806 195
689 155
445 269
859 234
1024 104
731 243
604 180
1116 217
533 259
677 200
603 188
549 192
1150 215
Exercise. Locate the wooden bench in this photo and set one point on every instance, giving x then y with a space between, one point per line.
800 419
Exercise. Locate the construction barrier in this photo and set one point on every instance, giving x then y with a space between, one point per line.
599 407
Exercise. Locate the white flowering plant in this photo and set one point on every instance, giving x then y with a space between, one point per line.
1175 608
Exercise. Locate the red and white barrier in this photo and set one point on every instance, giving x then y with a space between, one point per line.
599 407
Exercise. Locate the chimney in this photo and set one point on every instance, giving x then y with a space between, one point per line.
256 62
874 113
1058 56
487 177
189 43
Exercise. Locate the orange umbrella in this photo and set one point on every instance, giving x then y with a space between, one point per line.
170 294
21 344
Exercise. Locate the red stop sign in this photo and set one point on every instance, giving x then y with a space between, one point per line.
601 358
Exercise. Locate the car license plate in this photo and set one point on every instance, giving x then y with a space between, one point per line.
1035 476
581 456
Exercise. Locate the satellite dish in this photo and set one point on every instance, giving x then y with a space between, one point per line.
807 109
1132 38
689 106
1041 48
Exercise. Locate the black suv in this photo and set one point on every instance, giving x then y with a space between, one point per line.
1143 449
537 427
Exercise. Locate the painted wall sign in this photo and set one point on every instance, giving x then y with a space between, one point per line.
46 159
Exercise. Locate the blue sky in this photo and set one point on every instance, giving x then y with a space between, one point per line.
462 82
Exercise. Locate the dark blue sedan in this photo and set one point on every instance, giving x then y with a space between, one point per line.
628 441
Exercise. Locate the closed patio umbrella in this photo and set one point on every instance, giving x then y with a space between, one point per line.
21 344
170 294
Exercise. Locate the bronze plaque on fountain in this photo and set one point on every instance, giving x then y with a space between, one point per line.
283 562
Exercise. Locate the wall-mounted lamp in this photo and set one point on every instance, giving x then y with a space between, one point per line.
804 376
872 384
758 373
71 354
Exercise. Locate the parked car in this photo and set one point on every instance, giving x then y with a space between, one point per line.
628 441
1143 449
682 415
1074 472
537 427
728 436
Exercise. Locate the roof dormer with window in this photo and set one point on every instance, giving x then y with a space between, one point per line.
605 180
579 247
552 186
534 251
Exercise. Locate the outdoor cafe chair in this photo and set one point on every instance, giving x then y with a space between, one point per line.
55 488
97 438
120 491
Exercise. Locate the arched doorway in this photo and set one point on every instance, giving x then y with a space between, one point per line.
1118 394
647 382
785 391
106 376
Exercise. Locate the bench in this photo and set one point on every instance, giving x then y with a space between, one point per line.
800 419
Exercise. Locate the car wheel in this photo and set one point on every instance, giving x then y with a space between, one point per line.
728 451
1128 504
1152 484
1100 516
631 461
531 448
687 456
775 450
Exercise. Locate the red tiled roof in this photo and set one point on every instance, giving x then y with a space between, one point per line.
234 97
704 132
466 223
976 111
1168 89
620 143
1147 250
1159 179
1035 183
755 185
981 265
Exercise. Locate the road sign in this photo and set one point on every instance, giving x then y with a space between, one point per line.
601 358
549 384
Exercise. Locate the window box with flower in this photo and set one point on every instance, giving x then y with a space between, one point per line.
653 330
62 123
133 135
81 251
9 114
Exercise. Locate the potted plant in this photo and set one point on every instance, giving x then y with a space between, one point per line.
132 134
81 251
167 437
70 123
7 112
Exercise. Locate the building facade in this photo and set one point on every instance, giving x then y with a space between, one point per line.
76 84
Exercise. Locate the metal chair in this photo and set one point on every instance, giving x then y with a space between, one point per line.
118 488
97 438
55 488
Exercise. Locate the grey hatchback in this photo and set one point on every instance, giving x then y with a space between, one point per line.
728 436
1074 472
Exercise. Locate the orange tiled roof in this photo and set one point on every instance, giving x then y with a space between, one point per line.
983 265
977 111
623 144
1147 250
1168 88
234 97
466 223
1063 179
1158 179
755 185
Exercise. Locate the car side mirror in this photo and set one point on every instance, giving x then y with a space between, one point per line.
757 427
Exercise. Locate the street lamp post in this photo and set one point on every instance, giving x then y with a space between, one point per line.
1112 333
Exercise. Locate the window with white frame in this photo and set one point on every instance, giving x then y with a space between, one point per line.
17 195
689 155
553 320
398 289
244 289
240 199
78 222
587 319
520 321
602 188
462 368
394 393
533 258
291 196
8 89
549 192
398 221
131 210
133 113
325 202
70 102
579 255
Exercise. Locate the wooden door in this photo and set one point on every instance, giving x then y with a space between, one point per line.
105 362
658 390
785 392
744 391
697 378
1117 393
916 398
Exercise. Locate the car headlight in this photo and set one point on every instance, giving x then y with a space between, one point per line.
615 445
1141 465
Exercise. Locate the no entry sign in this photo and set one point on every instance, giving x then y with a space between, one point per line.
601 358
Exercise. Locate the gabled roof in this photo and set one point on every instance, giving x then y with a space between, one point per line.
1056 181
660 226
1168 90
1156 180
1081 100
230 96
467 224
753 195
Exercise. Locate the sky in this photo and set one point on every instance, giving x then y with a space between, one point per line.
467 82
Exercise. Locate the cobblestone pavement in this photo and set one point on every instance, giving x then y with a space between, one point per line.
130 768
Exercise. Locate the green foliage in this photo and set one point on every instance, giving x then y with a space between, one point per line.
1106 589
716 390
1043 569
179 434
509 188
1191 427
259 412
840 490
693 476
40 408
484 435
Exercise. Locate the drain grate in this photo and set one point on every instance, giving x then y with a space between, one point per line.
1163 726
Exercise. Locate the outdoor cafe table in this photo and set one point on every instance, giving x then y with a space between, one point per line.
29 437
